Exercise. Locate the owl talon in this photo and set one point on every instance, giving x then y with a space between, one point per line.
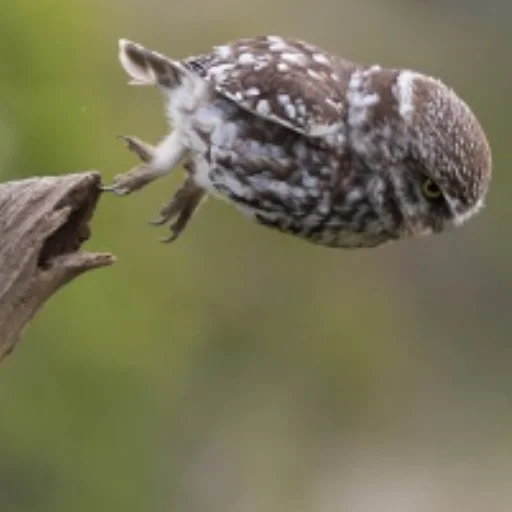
183 205
169 239
142 149
160 221
177 204
178 227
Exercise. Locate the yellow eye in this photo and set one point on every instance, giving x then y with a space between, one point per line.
430 189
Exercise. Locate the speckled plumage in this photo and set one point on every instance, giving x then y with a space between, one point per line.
311 144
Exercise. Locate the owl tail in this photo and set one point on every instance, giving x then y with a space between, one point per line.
147 67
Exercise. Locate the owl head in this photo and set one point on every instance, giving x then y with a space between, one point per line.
448 142
425 138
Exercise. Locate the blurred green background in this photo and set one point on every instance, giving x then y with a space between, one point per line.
238 369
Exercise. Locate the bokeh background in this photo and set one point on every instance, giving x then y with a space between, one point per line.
238 369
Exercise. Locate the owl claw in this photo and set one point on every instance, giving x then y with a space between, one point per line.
178 227
159 221
115 189
142 149
168 239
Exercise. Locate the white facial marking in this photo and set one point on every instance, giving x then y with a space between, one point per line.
404 92
461 218
283 67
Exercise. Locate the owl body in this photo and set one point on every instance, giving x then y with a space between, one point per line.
280 180
311 144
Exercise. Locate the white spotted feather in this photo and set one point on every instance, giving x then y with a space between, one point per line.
311 100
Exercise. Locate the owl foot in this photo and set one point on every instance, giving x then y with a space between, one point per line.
133 180
156 162
182 205
139 176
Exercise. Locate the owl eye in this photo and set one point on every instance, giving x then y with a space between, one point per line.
430 190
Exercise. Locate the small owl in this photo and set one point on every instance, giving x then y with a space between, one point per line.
308 143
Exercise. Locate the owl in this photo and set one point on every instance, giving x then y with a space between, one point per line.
308 143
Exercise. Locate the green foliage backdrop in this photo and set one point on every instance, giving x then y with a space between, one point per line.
239 369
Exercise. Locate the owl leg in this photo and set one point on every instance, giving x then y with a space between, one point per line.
182 206
157 162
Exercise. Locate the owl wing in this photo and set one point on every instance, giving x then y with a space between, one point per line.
285 81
